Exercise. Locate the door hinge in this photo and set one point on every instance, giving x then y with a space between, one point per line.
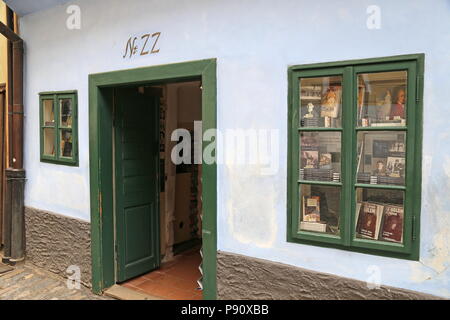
418 88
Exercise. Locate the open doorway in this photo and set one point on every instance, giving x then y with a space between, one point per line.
158 221
102 94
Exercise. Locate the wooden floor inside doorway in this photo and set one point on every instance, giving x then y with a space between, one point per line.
175 280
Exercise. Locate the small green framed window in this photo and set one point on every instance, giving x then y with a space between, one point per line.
59 127
354 164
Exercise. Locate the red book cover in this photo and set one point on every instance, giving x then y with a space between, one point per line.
367 224
393 224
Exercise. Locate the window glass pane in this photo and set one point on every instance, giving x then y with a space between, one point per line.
48 113
320 208
66 143
382 99
66 112
49 142
320 156
320 102
381 157
379 214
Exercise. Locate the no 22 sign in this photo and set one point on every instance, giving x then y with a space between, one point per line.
147 44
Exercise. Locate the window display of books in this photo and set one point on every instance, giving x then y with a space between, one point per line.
320 156
378 221
320 207
320 102
319 175
311 215
382 99
381 158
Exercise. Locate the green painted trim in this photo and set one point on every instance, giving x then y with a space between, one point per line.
209 189
320 129
348 142
296 190
322 183
100 127
410 248
58 92
55 96
379 186
381 129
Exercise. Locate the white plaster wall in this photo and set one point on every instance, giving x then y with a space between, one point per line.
254 43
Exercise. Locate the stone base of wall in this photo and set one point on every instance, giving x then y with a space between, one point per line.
55 242
242 277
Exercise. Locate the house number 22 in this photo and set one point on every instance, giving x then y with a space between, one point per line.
133 45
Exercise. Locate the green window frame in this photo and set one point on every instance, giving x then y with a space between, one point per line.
347 189
58 126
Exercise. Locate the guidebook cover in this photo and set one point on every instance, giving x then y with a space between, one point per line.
392 229
369 220
311 209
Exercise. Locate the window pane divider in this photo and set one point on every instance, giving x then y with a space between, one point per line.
379 186
376 244
347 158
309 129
322 236
321 183
402 128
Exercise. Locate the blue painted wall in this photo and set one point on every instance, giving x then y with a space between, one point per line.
254 43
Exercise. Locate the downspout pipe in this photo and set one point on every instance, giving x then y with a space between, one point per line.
15 173
9 24
8 135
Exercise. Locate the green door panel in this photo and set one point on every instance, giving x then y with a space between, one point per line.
136 170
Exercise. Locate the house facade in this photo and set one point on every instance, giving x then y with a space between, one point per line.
320 129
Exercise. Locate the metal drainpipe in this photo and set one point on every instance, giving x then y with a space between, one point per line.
9 105
9 24
15 174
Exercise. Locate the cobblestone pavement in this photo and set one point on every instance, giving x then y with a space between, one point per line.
27 282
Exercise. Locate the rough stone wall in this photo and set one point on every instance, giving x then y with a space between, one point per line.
55 242
241 277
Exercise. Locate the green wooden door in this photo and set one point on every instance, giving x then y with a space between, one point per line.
136 169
